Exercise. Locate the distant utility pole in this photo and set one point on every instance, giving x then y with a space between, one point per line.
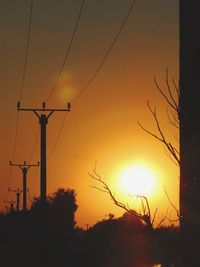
11 202
18 193
24 168
43 115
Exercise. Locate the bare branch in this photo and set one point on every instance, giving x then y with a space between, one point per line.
170 220
173 101
161 221
164 95
145 217
177 211
175 121
147 131
107 190
173 151
169 156
177 88
154 216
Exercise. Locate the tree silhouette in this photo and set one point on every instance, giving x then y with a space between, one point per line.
144 215
171 96
63 203
58 211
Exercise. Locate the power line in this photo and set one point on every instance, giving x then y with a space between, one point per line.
59 74
35 145
22 84
14 148
56 82
107 53
27 50
66 57
97 70
58 136
16 136
67 52
34 181
23 76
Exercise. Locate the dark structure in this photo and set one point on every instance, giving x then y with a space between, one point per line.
18 193
190 127
24 168
189 116
43 115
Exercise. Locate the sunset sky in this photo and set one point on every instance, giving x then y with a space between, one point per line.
102 125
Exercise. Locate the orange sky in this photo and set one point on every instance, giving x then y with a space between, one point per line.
102 124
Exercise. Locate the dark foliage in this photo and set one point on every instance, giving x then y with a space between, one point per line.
47 235
42 235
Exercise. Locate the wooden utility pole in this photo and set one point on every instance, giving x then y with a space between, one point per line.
24 168
18 193
189 131
189 115
43 115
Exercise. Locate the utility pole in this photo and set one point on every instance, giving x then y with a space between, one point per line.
11 202
43 115
18 193
189 132
24 168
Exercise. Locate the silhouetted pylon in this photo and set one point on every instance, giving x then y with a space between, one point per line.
24 168
43 115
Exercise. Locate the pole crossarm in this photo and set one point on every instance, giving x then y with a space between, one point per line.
43 109
40 109
24 165
17 191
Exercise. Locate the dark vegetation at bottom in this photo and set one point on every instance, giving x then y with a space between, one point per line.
46 235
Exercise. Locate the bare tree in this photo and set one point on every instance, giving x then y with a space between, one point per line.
144 215
171 96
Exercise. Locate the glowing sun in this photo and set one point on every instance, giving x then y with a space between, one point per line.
137 180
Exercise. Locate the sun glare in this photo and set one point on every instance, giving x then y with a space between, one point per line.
137 180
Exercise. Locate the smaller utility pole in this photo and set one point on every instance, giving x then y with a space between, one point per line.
11 202
24 168
43 115
18 193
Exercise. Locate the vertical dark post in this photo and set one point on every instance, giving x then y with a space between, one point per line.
43 122
24 171
17 192
18 198
189 132
189 117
